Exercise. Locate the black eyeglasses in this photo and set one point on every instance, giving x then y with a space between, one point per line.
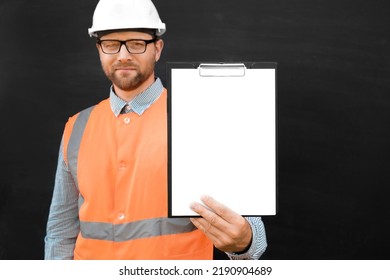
134 46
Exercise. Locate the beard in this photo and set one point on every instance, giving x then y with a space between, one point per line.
128 81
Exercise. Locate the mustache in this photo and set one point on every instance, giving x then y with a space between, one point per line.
123 65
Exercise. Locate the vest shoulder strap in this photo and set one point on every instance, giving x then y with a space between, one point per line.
73 146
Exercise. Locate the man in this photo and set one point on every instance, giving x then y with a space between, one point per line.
110 194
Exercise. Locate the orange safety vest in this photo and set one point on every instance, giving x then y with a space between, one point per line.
120 167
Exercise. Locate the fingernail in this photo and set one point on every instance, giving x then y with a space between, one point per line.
193 205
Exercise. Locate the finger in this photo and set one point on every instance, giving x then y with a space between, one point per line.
220 209
208 229
219 238
201 224
208 215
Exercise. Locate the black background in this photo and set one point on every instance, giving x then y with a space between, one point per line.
333 85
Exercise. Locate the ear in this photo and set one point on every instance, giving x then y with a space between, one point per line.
159 47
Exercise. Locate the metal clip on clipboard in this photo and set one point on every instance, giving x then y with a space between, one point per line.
222 70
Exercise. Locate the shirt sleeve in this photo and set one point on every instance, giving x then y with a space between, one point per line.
63 223
259 241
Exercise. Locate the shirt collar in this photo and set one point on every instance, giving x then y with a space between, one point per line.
140 103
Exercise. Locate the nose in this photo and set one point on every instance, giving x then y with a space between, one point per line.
123 54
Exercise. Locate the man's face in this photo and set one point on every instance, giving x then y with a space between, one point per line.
127 71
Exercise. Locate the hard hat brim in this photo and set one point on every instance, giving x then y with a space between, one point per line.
96 33
151 31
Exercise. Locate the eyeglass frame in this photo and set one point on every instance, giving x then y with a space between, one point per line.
147 42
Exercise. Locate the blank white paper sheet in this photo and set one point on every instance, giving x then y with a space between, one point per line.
222 138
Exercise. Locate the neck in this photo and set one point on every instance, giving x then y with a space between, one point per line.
129 95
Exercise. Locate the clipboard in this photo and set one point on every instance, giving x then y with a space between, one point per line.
222 136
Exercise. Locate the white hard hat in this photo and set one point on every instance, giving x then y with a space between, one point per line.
126 14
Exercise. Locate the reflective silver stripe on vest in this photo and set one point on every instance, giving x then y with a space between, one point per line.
135 230
74 141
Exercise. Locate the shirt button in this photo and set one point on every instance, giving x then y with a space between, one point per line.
122 167
121 216
126 120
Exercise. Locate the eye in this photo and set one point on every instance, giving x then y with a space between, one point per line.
110 44
136 45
